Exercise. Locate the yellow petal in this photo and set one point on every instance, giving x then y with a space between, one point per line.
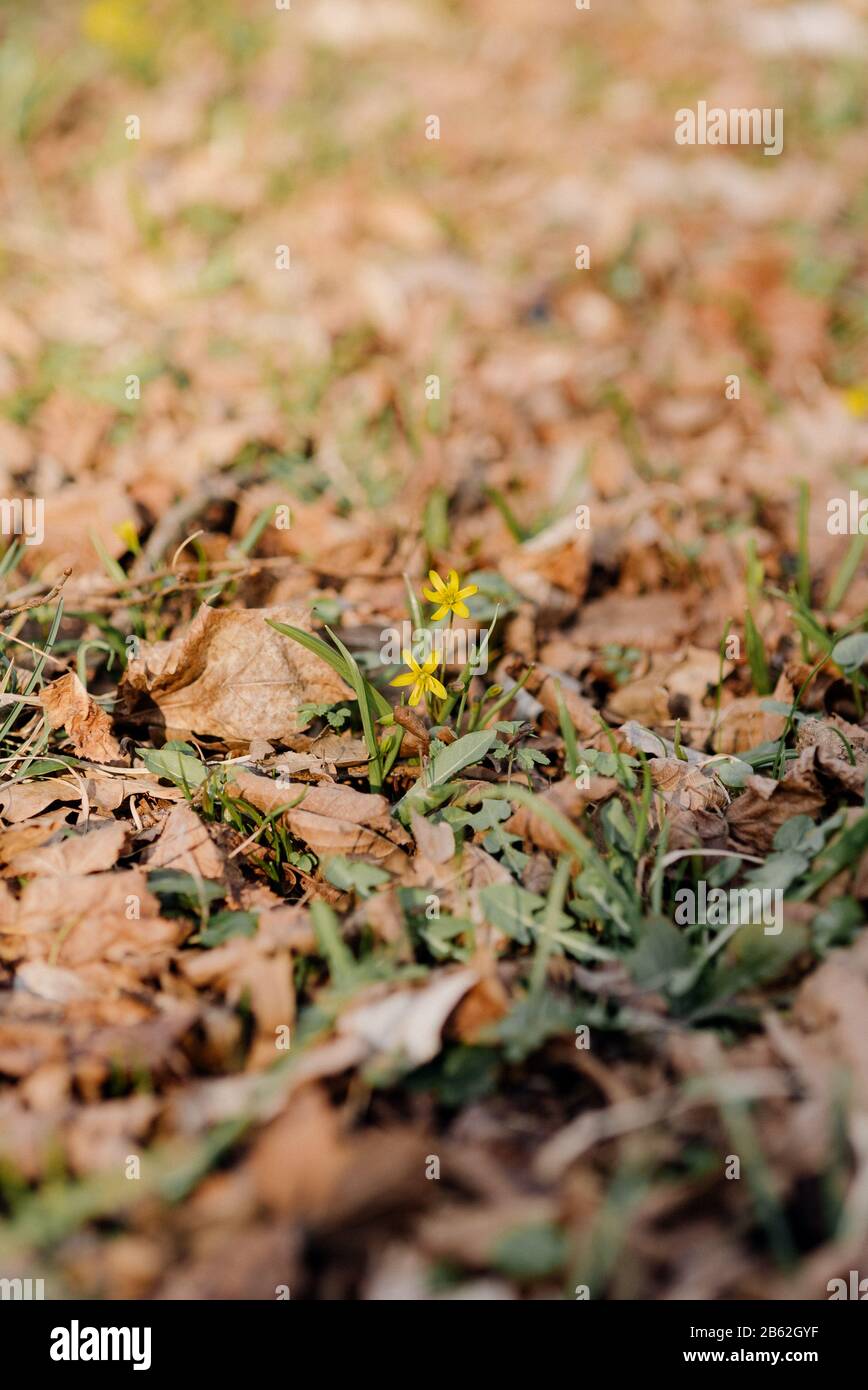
416 693
441 613
410 660
430 664
439 690
431 595
407 678
436 582
465 593
460 610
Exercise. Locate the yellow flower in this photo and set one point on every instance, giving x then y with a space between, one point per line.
421 678
129 535
448 595
856 399
120 25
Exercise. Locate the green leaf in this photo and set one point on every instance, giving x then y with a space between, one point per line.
175 762
533 1020
732 772
193 893
531 1252
337 715
364 694
779 870
851 652
753 958
841 853
837 924
459 1076
354 875
660 955
515 911
499 841
440 935
489 815
469 749
433 789
224 925
797 833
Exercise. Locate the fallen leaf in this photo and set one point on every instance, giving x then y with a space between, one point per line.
331 819
92 852
745 724
66 703
186 844
755 817
233 676
408 1024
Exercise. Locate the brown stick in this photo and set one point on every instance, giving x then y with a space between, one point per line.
39 600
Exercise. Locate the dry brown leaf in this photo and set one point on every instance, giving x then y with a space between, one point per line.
670 688
564 796
484 1004
745 724
186 844
93 852
52 982
835 740
73 516
331 819
22 800
29 835
755 817
300 1158
652 622
580 710
105 793
234 677
687 786
409 1023
67 704
832 1004
436 842
49 904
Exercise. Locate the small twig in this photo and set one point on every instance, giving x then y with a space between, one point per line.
39 601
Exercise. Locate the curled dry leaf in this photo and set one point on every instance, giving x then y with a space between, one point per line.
837 742
67 704
232 676
755 817
635 738
689 787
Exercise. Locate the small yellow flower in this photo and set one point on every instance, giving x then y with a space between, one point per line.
120 25
129 535
856 399
421 678
448 595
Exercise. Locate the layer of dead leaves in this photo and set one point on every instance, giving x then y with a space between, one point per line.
123 1035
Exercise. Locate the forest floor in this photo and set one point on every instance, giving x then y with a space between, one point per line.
542 974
